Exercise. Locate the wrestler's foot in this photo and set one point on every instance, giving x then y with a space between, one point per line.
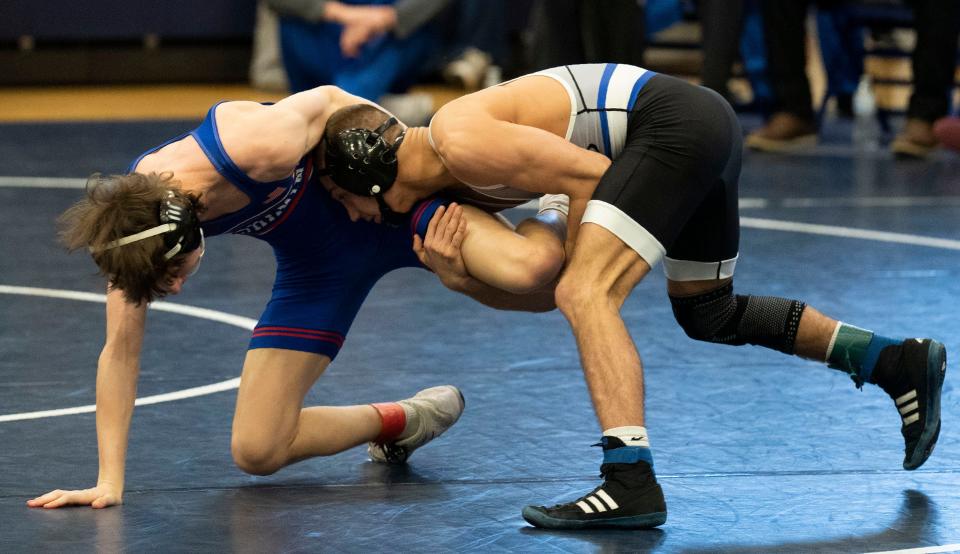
912 374
628 498
438 409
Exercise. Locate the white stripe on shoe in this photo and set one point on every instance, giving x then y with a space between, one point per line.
606 498
597 504
906 397
909 408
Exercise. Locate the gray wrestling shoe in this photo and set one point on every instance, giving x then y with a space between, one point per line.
438 407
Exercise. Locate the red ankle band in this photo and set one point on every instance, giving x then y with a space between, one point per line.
393 420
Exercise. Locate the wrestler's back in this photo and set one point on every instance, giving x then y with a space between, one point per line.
194 172
239 131
550 98
533 100
587 104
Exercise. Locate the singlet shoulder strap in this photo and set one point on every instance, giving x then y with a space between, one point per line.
136 162
208 137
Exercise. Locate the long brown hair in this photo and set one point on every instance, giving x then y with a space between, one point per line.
119 206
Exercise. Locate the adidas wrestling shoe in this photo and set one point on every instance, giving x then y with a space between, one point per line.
628 498
912 374
438 409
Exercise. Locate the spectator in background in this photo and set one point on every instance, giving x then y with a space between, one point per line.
841 40
266 64
934 62
793 125
586 31
721 22
369 48
475 40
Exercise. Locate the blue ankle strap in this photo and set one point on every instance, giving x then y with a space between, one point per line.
628 455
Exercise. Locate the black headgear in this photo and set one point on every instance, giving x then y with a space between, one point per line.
360 161
179 226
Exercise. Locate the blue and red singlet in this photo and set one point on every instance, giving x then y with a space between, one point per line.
326 264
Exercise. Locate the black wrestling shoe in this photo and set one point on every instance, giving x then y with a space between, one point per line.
912 374
629 498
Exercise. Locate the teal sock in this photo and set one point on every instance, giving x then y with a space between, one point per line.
856 351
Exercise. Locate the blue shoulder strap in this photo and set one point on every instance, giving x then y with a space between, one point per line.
208 138
136 162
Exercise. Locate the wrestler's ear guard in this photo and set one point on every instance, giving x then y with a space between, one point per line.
179 225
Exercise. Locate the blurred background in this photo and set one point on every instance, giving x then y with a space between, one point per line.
757 452
112 59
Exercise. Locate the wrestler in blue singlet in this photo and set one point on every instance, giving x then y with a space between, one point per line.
326 264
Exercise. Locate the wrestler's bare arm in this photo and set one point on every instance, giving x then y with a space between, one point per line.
480 149
269 141
117 373
313 107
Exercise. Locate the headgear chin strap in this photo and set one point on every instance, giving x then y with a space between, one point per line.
178 223
362 162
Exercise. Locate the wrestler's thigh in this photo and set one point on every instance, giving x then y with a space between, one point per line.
486 223
273 385
493 234
492 247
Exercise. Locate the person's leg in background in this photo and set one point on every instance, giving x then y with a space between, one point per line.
385 65
476 43
387 68
754 57
934 62
312 57
311 52
613 31
721 22
266 63
792 124
555 34
841 46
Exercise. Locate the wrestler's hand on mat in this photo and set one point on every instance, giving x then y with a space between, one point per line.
440 248
101 496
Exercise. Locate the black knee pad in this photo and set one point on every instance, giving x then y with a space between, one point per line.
722 317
